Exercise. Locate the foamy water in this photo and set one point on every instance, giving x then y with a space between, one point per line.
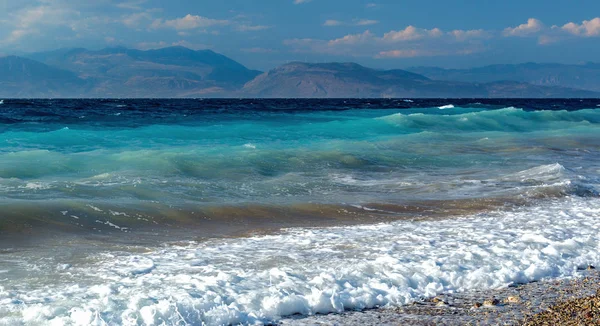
308 271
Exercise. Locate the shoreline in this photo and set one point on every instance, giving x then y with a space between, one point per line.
155 224
537 303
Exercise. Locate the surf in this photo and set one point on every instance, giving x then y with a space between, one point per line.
260 279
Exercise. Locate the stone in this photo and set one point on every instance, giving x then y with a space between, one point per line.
491 302
512 299
437 300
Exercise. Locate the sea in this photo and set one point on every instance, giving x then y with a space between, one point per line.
247 211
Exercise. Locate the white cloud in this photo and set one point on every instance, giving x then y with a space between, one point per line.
587 28
352 39
201 24
189 21
297 2
414 41
549 35
33 20
411 33
408 42
533 26
356 22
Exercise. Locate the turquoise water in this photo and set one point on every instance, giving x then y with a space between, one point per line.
352 156
141 212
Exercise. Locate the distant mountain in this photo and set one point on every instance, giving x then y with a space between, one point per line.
585 76
331 80
168 72
181 72
21 77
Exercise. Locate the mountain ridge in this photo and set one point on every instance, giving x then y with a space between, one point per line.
582 76
167 72
339 80
22 77
181 72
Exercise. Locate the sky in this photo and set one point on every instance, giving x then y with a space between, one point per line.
262 34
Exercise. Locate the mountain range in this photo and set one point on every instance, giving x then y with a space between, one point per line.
585 76
182 72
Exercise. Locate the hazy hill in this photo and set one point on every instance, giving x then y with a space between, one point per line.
352 80
21 77
585 76
168 72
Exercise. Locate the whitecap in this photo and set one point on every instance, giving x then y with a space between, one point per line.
35 186
444 107
249 145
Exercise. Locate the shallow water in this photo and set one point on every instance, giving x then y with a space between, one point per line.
246 211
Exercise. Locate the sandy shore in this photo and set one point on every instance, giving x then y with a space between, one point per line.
558 302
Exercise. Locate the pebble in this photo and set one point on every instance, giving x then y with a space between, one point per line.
491 302
437 300
512 299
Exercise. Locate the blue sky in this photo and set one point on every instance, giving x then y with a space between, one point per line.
262 34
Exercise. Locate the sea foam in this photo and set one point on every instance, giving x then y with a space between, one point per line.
260 279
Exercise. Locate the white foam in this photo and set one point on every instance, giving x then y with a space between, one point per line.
251 146
124 229
1 102
114 213
94 208
36 186
444 107
260 279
